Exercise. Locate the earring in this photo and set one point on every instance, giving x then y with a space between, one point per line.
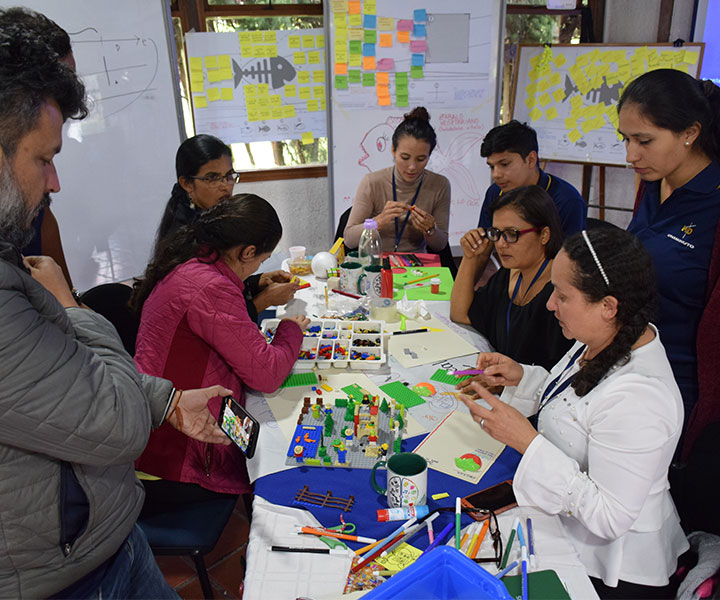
192 204
687 143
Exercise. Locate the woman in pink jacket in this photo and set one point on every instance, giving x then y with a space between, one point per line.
195 329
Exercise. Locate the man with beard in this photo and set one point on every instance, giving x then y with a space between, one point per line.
75 412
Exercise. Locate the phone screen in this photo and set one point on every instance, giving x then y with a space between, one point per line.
493 498
237 423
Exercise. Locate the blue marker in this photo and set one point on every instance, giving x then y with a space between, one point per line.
524 558
439 538
505 571
530 542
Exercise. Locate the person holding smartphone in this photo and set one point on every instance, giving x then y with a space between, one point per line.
195 326
608 418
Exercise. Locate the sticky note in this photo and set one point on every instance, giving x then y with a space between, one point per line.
299 58
313 105
354 7
195 63
340 21
544 99
304 93
290 90
303 76
551 113
355 60
419 31
369 21
318 91
320 40
559 95
401 77
355 47
370 36
276 113
307 136
401 99
690 58
576 101
253 115
341 82
313 57
275 101
288 111
385 64
214 76
250 89
226 93
369 6
270 37
224 74
440 496
211 62
559 60
246 50
535 114
383 100
341 69
386 24
418 46
368 50
318 76
542 84
368 79
294 42
197 86
530 101
555 79
570 123
574 135
382 78
386 40
368 63
244 37
403 37
308 41
420 15
416 72
418 60
355 20
354 76
200 101
382 90
213 94
404 25
341 56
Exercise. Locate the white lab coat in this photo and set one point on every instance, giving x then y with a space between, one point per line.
601 461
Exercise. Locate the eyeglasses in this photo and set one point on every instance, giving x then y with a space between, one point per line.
510 235
217 180
497 540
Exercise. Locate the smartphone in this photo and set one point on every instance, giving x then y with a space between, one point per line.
497 498
239 425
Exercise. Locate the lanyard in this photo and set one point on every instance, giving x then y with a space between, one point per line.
551 391
399 232
517 289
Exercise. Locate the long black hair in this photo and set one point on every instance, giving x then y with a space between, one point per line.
536 207
629 271
416 124
192 154
674 100
240 221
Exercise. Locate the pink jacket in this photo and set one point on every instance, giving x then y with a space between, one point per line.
195 331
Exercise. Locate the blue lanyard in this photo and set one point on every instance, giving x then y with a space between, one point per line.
551 391
517 289
399 232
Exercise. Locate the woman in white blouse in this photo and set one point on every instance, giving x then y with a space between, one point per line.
609 416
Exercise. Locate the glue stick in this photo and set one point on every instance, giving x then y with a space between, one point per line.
435 285
402 514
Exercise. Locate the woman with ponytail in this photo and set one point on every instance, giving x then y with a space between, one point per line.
194 329
671 126
608 415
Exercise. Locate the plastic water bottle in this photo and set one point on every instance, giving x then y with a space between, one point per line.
370 247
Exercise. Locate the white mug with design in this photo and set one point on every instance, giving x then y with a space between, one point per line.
370 281
406 480
349 275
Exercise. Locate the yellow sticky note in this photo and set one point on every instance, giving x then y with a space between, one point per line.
263 102
341 56
355 60
355 20
555 79
244 37
200 101
690 58
211 62
214 75
226 93
559 95
276 112
304 93
318 76
303 76
299 58
318 91
195 63
288 111
313 105
294 42
386 24
685 68
198 86
581 60
213 94
530 101
574 135
246 50
356 35
270 37
253 115
308 41
369 7
570 123
251 102
542 84
275 101
551 113
386 40
576 101
290 90
263 89
250 89
339 6
535 114
224 61
313 57
403 37
320 40
225 74
257 37
544 99
265 114
559 60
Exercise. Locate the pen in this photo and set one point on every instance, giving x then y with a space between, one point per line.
406 536
431 533
466 535
531 544
506 570
508 548
400 529
440 537
348 294
523 557
335 534
468 372
421 330
310 550
480 539
375 554
419 279
458 514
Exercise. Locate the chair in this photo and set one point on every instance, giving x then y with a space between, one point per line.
111 301
600 224
340 231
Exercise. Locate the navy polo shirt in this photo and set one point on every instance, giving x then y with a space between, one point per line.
570 204
679 234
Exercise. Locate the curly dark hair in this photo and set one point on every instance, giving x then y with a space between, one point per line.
240 221
30 76
628 267
416 124
45 29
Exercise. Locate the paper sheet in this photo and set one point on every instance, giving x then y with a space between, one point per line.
458 436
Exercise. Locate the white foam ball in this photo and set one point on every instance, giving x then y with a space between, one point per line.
321 262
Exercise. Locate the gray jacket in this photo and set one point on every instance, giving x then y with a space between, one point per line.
68 393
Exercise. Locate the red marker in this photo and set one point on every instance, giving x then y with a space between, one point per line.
348 294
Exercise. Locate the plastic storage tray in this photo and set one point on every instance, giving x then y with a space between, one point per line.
335 343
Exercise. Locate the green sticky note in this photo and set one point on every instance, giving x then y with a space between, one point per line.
402 99
356 47
401 77
416 72
370 36
368 79
341 82
355 76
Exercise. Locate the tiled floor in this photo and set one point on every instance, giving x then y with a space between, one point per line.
224 563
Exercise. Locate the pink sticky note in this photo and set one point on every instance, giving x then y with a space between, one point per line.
418 46
404 25
385 64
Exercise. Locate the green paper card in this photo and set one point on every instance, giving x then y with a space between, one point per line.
416 72
370 36
356 47
368 79
354 76
341 82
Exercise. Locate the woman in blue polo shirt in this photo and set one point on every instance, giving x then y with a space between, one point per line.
671 126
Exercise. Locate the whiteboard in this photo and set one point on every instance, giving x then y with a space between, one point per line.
459 86
117 166
569 94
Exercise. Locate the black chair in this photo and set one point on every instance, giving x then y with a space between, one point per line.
447 260
111 301
600 224
340 231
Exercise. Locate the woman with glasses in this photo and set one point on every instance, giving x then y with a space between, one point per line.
510 309
205 176
608 418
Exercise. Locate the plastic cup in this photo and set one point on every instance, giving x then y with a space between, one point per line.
296 252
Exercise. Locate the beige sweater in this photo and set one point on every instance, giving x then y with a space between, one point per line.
375 190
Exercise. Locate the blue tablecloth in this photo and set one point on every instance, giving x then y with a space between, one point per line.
280 488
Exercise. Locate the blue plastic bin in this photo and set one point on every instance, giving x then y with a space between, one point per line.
442 574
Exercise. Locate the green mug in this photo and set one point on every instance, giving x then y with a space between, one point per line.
406 480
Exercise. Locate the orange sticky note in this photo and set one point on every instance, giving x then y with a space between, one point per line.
354 7
386 40
383 100
403 37
382 90
340 68
383 78
368 63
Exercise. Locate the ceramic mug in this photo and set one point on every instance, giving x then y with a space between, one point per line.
370 281
349 274
354 256
406 480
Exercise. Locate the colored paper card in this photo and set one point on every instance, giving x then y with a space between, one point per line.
382 89
420 15
370 36
530 101
341 56
341 69
303 76
370 7
318 91
270 37
290 90
559 95
214 76
418 60
369 21
257 37
354 7
356 47
402 99
385 64
307 138
355 20
535 114
294 42
541 84
211 62
246 50
313 57
690 58
276 113
308 41
320 40
574 135
313 105
226 93
386 40
355 60
403 37
200 101
551 113
416 72
244 37
304 93
419 31
386 24
299 58
368 50
544 100
402 394
250 89
383 100
341 82
555 79
276 101
318 76
225 74
197 87
253 115
288 111
401 77
195 63
354 76
368 79
404 555
404 25
383 78
263 89
418 46
213 94
368 63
